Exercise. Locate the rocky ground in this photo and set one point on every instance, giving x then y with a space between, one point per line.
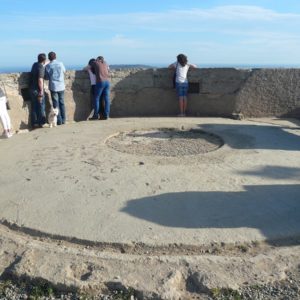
165 142
35 267
288 289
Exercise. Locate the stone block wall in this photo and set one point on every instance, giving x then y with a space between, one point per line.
219 92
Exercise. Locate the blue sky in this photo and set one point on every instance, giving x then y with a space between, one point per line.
151 32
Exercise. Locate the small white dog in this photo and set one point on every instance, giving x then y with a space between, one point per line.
52 117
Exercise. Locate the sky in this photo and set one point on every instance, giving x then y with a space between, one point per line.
216 32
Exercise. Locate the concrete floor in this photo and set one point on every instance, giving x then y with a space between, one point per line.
66 181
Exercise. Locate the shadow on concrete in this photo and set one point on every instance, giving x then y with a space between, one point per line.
144 92
272 209
274 172
295 113
24 91
81 94
241 136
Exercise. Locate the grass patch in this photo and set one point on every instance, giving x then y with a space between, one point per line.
226 294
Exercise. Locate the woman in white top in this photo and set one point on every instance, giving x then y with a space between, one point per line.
5 120
92 75
181 69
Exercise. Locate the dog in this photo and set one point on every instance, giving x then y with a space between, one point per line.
52 117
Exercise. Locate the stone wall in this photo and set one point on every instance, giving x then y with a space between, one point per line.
213 92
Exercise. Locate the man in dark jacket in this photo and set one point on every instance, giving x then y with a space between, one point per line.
38 115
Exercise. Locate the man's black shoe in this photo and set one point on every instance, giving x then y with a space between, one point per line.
93 118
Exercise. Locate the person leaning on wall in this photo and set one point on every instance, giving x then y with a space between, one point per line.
181 67
102 88
55 73
92 76
37 94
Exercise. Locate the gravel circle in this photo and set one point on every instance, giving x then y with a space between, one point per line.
169 142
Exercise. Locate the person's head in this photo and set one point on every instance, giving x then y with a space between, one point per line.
91 61
41 58
51 55
100 58
182 59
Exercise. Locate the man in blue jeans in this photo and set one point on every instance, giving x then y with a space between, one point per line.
38 115
55 73
102 88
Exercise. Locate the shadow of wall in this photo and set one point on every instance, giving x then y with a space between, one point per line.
242 136
142 93
150 92
77 95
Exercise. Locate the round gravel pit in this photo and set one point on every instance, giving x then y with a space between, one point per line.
171 142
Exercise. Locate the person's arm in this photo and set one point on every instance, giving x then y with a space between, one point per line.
172 66
41 89
192 66
41 75
41 86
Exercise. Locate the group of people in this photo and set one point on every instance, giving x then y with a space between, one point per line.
54 71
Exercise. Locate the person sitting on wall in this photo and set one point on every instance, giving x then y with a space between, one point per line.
102 88
181 68
55 72
37 94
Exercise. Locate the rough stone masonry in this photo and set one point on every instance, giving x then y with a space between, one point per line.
216 92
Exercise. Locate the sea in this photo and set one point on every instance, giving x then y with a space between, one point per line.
148 66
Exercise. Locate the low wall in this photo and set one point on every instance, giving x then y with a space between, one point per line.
219 92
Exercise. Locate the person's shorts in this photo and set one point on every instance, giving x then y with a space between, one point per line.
182 89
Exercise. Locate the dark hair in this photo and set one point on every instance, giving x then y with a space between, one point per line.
182 59
101 58
91 61
41 57
91 64
52 55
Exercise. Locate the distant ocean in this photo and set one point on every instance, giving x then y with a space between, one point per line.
126 66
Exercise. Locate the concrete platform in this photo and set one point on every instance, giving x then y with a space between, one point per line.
67 181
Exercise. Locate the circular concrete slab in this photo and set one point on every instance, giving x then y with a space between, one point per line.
68 181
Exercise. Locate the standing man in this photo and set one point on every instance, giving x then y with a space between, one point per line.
55 73
102 87
38 115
